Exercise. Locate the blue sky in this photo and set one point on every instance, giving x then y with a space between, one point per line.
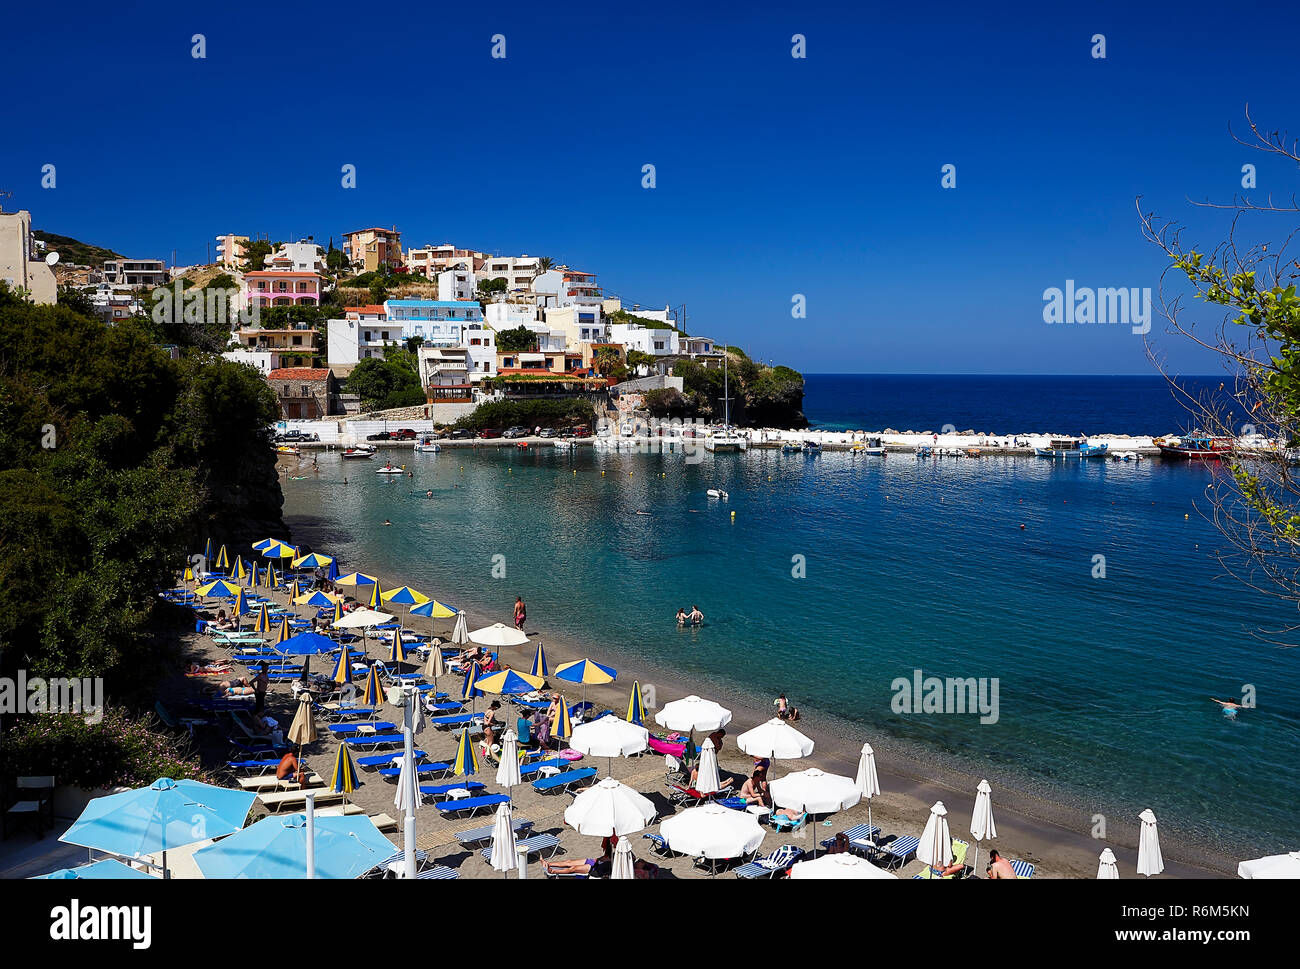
775 175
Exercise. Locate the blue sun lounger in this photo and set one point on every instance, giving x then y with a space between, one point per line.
563 780
252 766
1023 869
778 862
526 772
457 720
476 835
375 740
432 767
472 804
535 845
443 790
379 726
443 707
898 851
861 837
384 760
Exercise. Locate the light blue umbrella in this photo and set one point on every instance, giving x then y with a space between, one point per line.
276 847
105 868
305 644
166 814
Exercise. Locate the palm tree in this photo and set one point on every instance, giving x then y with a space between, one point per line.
544 264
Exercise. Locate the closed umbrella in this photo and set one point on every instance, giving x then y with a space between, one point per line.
263 624
508 770
303 729
345 778
397 651
539 667
468 689
343 669
636 705
815 791
693 713
283 635
1107 868
609 737
375 599
498 635
867 780
372 694
843 865
610 808
935 848
981 819
223 560
623 868
561 727
407 778
1150 861
435 666
505 853
466 761
460 632
707 780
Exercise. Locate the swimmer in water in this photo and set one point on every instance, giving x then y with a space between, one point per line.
387 522
428 494
1229 708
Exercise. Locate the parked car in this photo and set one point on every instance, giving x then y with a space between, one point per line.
405 434
516 431
549 432
582 430
379 436
293 437
461 434
489 432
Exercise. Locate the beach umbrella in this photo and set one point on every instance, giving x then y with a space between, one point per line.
707 780
935 849
362 619
509 682
272 577
276 847
223 560
712 831
815 791
435 666
505 853
981 819
508 770
104 868
303 729
867 780
609 737
343 668
345 778
1149 860
1270 866
268 577
207 552
692 713
372 695
466 761
460 631
218 589
279 550
311 561
843 865
539 667
374 598
186 578
610 808
406 596
396 649
332 571
338 613
264 544
165 815
561 728
431 609
321 600
305 644
775 740
283 634
585 671
636 705
623 868
250 578
240 571
355 578
407 777
241 607
498 635
468 690
1107 868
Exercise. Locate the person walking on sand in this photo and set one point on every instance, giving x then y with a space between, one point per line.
521 613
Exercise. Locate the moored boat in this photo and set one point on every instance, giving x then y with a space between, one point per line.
1195 447
1066 448
717 493
356 453
287 449
430 447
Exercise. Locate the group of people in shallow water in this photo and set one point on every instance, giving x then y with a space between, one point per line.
692 618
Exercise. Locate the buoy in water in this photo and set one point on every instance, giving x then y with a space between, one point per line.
733 516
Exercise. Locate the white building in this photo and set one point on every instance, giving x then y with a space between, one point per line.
517 271
510 316
456 284
366 330
580 323
136 273
303 256
566 287
20 266
262 360
633 336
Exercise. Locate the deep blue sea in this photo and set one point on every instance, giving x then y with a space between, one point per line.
908 564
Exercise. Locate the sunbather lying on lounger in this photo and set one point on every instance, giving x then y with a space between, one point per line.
594 867
207 669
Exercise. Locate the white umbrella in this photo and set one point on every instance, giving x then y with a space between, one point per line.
460 632
692 713
707 780
775 739
434 666
609 737
361 618
712 831
1107 867
609 808
1271 866
843 865
407 777
508 772
816 792
1149 860
623 861
498 634
935 848
981 819
505 853
868 782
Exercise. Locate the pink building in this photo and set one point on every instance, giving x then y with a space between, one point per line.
279 288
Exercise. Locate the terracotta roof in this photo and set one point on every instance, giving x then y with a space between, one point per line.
299 373
374 308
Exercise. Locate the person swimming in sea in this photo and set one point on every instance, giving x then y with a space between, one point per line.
696 617
1229 708
387 522
681 617
428 494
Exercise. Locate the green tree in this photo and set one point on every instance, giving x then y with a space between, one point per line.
256 252
519 340
486 287
76 300
383 384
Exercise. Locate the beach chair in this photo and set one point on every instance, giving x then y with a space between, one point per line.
862 837
438 873
659 845
783 823
478 835
899 851
253 766
775 864
471 804
538 844
389 759
375 740
263 782
959 849
178 723
690 796
276 801
456 720
715 865
427 767
1023 869
32 805
437 791
362 727
528 772
563 780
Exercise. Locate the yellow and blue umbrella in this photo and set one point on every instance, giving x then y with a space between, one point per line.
240 571
223 560
332 573
469 689
406 596
636 705
355 578
263 624
509 682
345 778
219 589
279 550
312 561
343 671
373 694
207 551
264 544
376 597
539 667
250 579
397 652
433 609
561 728
241 607
284 633
317 598
338 610
586 671
466 761
272 579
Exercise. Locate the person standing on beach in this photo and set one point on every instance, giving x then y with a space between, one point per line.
521 613
259 688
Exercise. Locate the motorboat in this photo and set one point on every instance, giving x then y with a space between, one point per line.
358 453
872 448
430 447
389 469
792 447
717 493
287 449
564 445
1195 447
1059 449
812 447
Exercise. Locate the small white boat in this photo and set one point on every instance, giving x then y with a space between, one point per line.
389 469
792 447
717 493
357 453
429 448
564 445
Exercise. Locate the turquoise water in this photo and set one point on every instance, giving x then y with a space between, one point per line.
1103 683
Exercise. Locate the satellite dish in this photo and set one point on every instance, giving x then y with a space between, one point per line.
51 258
